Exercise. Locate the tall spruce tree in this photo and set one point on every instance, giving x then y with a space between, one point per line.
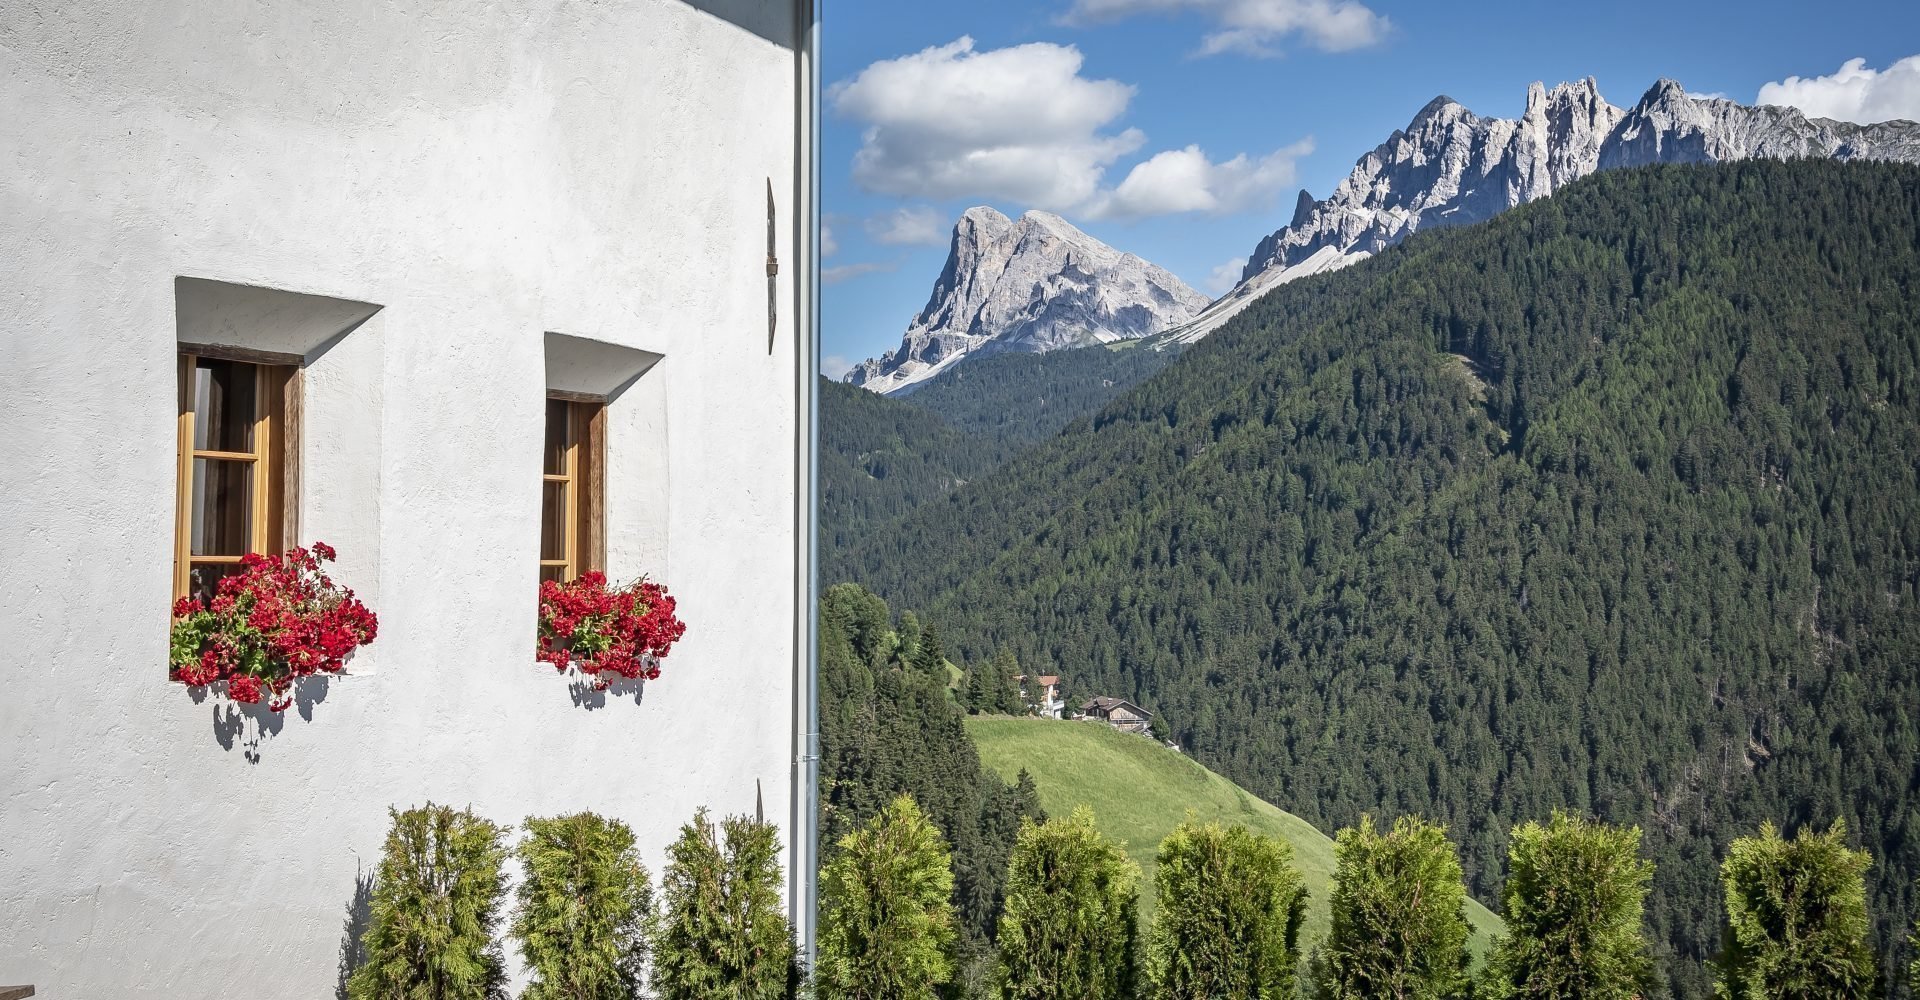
1399 915
1231 906
886 922
724 933
930 656
1796 918
981 696
1913 961
1573 901
1004 674
1070 927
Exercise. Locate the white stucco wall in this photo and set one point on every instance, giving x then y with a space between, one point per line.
486 174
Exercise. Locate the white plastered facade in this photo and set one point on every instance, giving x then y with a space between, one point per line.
486 175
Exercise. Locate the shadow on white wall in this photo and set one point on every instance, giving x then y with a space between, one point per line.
248 726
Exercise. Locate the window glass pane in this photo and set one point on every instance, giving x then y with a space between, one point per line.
223 406
555 463
553 521
222 507
206 578
557 574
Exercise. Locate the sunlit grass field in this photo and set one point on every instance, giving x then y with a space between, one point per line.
1139 791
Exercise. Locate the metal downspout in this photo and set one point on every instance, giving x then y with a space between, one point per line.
803 903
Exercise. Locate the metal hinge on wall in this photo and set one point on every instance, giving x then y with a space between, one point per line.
773 271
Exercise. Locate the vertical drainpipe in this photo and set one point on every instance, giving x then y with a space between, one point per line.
803 901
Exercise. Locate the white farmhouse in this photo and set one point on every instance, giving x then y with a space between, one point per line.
387 257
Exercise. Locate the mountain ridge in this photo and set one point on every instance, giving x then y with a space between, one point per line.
1449 166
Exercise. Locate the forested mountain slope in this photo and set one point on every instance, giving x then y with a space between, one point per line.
880 459
1016 400
883 456
1610 502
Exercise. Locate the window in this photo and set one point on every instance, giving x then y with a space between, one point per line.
233 484
572 534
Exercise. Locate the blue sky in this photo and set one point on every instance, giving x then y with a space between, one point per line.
1054 103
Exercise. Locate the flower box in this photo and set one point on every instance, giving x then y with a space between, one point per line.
598 630
279 619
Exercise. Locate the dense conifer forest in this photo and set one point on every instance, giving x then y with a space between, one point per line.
1609 504
881 457
1019 399
889 727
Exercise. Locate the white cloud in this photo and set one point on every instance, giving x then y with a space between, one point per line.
848 272
1253 27
1222 278
1016 124
835 367
828 246
1854 93
1185 180
915 227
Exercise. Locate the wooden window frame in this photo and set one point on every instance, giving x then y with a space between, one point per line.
274 516
583 471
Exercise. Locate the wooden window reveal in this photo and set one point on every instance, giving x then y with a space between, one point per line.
236 495
572 490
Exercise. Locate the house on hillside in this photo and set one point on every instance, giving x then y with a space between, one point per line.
1042 695
1118 713
481 296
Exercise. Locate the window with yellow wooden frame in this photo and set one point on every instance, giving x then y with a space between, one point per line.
236 492
573 489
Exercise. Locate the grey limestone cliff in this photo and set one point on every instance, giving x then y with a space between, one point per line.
1032 284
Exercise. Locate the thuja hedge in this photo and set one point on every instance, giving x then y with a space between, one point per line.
1231 904
584 917
1231 901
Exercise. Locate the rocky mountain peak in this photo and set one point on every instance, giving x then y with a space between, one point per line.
1452 167
1440 108
1036 284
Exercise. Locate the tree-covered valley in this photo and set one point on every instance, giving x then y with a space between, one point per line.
1609 503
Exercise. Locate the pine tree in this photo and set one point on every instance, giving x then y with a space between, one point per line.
1003 675
982 696
1231 906
1069 929
1573 900
1796 918
584 906
886 922
436 901
909 634
1399 921
930 657
1913 965
724 935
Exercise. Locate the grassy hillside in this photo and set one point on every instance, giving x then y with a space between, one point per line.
1139 791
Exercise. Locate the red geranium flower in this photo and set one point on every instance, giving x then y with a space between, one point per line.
279 619
602 630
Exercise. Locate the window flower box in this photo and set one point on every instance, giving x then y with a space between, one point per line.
279 619
600 630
